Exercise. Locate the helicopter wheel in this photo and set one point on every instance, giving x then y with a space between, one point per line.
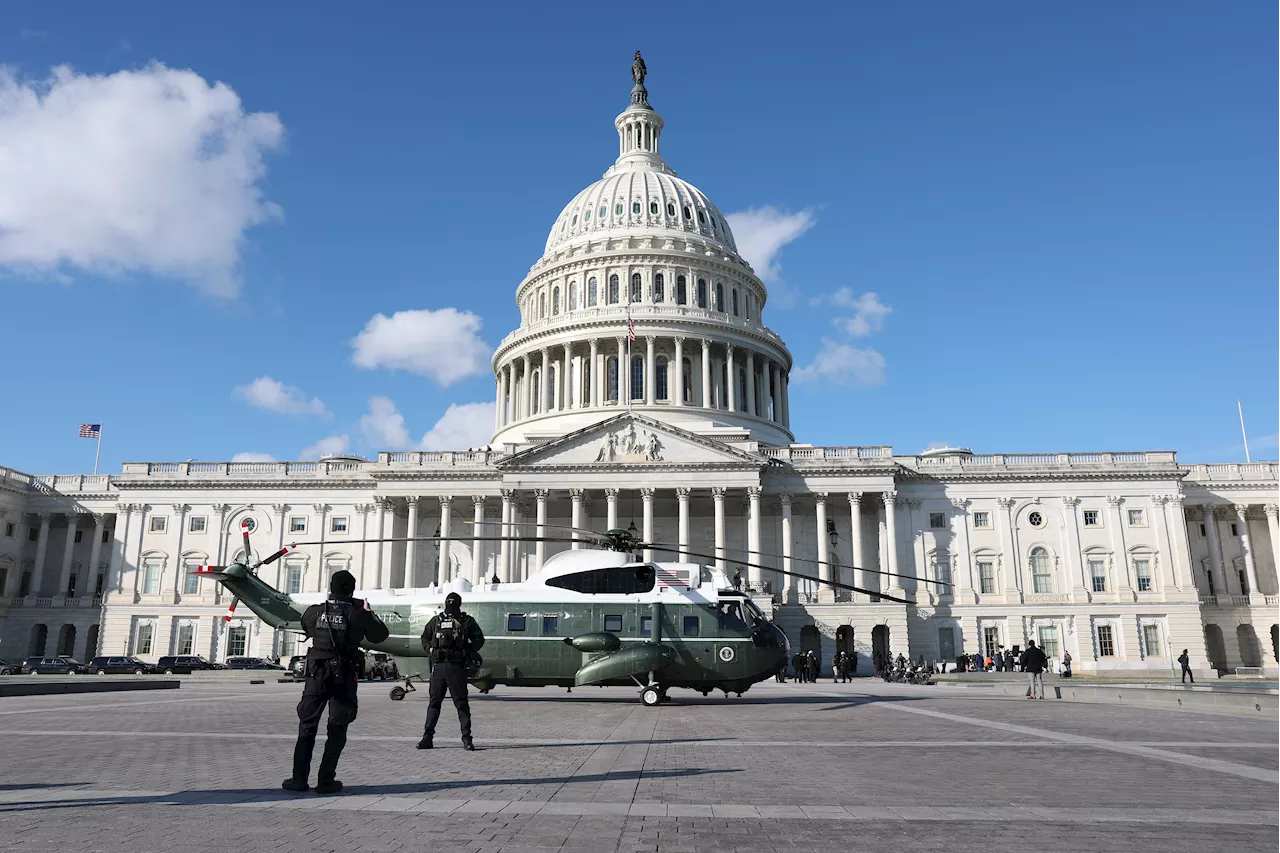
397 694
650 697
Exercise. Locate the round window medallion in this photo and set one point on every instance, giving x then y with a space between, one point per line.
1035 519
249 525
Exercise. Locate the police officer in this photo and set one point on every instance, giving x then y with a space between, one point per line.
452 638
336 628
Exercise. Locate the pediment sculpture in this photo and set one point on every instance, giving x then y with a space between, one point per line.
630 445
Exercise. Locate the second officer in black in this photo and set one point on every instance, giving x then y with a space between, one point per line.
453 640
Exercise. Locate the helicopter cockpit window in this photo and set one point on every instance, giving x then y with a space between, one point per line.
731 616
616 580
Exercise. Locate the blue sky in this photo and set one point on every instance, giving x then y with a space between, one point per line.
1069 212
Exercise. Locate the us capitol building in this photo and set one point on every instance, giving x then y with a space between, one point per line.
1123 559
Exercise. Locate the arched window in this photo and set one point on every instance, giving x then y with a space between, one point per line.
612 380
613 290
574 222
682 291
701 219
586 382
555 301
586 217
688 381
659 287
742 390
591 292
942 571
719 306
604 211
661 378
653 208
688 214
637 288
671 209
542 306
1041 577
573 296
735 302
537 391
637 378
635 207
702 293
618 208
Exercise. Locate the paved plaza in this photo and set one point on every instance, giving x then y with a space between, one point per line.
863 766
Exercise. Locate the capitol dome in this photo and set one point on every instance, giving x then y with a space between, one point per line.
640 301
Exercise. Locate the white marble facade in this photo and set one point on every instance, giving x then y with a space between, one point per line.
683 429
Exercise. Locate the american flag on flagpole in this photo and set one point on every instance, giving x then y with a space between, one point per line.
90 430
631 330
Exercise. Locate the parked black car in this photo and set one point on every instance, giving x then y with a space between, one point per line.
119 666
184 664
251 663
7 668
61 665
298 666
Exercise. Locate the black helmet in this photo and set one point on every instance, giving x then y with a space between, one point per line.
452 603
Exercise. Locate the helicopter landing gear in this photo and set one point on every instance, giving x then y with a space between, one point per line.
397 693
650 697
400 691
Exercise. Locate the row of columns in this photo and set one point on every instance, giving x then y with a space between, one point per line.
13 583
1213 515
582 382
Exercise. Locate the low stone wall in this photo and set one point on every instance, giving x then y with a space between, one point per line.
43 685
1262 702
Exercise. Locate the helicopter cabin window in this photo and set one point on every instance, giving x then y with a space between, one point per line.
617 580
550 626
691 626
515 621
613 624
731 616
646 626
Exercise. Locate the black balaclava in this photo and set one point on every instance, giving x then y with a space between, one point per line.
453 604
342 584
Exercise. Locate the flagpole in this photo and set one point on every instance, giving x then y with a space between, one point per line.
97 452
1240 409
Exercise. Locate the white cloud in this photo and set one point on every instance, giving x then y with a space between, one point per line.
443 345
844 365
868 316
147 171
253 457
326 447
267 393
761 232
383 428
461 427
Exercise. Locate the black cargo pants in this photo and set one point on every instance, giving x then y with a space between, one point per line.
340 697
446 674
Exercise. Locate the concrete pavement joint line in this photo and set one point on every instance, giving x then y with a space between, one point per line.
14 801
604 755
80 709
1241 770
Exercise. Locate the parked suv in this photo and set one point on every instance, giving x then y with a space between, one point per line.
251 663
7 668
119 665
184 664
61 665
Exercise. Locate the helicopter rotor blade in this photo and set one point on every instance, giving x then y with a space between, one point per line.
277 555
821 564
881 595
582 530
463 539
244 529
231 611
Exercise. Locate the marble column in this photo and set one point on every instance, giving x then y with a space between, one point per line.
566 380
1124 571
42 548
717 497
731 379
546 391
646 525
446 511
962 573
824 551
95 550
1246 546
751 383
540 547
411 547
1273 527
784 386
891 546
477 546
119 547
503 572
788 582
706 373
528 386
856 556
754 574
1209 514
611 512
679 374
594 373
504 414
1179 546
575 516
68 554
497 405
771 394
650 366
682 499
378 547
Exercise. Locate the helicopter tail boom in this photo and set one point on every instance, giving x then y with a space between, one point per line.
268 604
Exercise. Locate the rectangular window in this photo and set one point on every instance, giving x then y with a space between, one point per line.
190 580
982 520
158 523
613 624
1048 635
293 579
987 576
146 631
1151 640
151 568
1090 518
106 536
646 626
1137 518
1208 578
197 524
991 639
9 528
550 626
1098 575
186 639
1244 582
24 584
288 644
237 641
298 524
1203 532
99 585
1041 577
691 626
79 535
1234 530
637 378
515 621
942 572
33 534
338 524
946 643
937 520
1106 644
1142 571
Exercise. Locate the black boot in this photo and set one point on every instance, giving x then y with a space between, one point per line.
335 740
425 743
468 745
295 785
333 786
